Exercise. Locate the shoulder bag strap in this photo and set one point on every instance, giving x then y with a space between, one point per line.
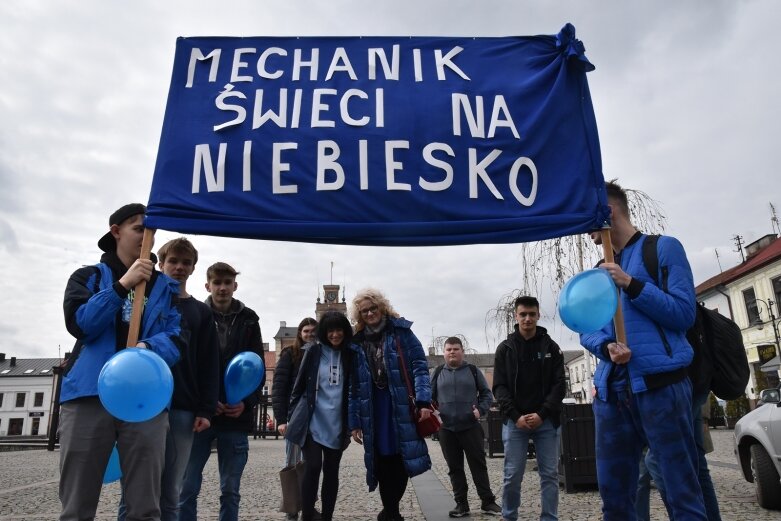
400 353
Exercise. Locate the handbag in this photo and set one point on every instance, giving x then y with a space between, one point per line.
290 481
433 423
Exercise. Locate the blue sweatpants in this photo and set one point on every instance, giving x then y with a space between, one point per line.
660 418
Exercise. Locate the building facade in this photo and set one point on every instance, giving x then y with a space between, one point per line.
750 294
26 392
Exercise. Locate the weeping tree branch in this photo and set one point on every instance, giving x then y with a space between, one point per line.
551 263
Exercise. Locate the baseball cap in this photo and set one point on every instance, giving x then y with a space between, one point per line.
107 243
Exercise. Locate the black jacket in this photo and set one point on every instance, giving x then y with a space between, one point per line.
529 376
243 335
284 377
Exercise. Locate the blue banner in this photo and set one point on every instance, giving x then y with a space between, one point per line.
380 140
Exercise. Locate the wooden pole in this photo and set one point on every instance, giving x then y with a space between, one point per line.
139 291
618 318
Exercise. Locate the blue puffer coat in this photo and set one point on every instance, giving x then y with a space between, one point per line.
412 448
656 320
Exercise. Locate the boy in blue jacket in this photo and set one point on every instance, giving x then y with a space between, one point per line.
643 394
98 303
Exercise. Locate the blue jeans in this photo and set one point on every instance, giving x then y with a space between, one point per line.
516 443
232 451
703 474
177 453
660 418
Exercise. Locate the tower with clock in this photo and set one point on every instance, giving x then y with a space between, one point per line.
330 301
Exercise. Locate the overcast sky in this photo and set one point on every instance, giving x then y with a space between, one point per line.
685 95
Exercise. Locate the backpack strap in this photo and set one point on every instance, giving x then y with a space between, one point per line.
651 257
438 370
434 382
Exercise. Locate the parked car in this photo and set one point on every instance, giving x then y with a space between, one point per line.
758 448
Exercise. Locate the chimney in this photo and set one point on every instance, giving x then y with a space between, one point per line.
282 323
13 361
2 357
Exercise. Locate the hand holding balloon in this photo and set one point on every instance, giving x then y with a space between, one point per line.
588 301
242 376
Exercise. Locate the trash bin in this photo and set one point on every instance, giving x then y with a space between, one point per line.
577 457
493 424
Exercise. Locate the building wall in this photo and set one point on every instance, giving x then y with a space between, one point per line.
756 338
21 420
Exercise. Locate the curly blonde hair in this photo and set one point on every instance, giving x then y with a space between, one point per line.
374 296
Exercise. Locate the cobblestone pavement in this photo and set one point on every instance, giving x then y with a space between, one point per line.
28 488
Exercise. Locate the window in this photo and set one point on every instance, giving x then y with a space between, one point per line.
38 400
776 282
752 309
36 427
1 400
20 399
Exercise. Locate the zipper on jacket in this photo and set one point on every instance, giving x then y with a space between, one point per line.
667 347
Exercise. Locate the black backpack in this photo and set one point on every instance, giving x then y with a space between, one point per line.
720 363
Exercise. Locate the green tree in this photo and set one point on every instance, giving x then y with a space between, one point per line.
737 408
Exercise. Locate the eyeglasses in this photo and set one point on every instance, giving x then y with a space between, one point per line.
373 310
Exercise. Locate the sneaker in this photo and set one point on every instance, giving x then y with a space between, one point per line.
491 508
292 517
461 510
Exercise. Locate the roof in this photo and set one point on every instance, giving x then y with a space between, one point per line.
569 356
767 255
28 367
286 332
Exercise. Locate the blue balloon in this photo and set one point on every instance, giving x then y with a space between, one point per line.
113 471
242 376
588 301
135 385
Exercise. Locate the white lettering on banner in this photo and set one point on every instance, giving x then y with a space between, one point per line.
197 56
391 72
277 167
238 65
241 112
340 61
299 63
446 61
318 107
203 159
391 165
500 116
353 111
327 154
428 157
478 170
327 160
262 71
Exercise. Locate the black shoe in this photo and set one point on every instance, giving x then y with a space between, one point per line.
461 510
381 516
491 508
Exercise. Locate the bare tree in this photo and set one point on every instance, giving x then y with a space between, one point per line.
437 346
551 263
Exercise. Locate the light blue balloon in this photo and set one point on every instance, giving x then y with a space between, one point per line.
135 385
242 376
113 471
588 301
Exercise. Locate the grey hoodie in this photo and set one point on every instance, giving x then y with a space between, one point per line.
457 395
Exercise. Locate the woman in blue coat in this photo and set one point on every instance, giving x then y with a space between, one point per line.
319 405
380 416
